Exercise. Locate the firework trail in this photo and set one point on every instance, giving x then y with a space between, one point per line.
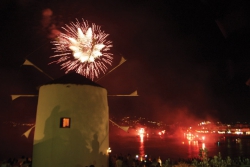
83 49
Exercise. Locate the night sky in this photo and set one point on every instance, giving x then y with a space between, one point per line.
187 59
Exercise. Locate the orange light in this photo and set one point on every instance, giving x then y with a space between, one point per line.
203 146
141 131
65 123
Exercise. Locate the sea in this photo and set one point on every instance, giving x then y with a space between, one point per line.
173 147
176 147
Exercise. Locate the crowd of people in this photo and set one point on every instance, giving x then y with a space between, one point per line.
17 162
217 160
115 161
129 161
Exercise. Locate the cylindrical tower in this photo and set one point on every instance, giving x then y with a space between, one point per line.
72 124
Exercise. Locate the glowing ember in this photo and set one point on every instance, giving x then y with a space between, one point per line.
84 49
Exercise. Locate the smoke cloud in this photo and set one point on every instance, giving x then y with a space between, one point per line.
48 24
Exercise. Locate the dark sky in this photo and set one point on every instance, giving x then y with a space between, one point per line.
187 59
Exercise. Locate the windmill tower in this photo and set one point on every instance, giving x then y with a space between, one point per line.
72 124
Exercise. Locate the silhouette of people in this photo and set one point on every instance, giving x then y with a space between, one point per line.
118 162
159 161
95 145
129 160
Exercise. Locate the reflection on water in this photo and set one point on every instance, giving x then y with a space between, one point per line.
193 148
176 148
141 148
203 146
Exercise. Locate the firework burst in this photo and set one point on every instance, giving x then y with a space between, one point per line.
83 49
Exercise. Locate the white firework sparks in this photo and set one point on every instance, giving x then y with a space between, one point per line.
84 49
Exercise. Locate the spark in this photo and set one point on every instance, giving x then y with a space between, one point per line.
83 48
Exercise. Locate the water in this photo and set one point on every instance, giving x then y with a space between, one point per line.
177 148
14 144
